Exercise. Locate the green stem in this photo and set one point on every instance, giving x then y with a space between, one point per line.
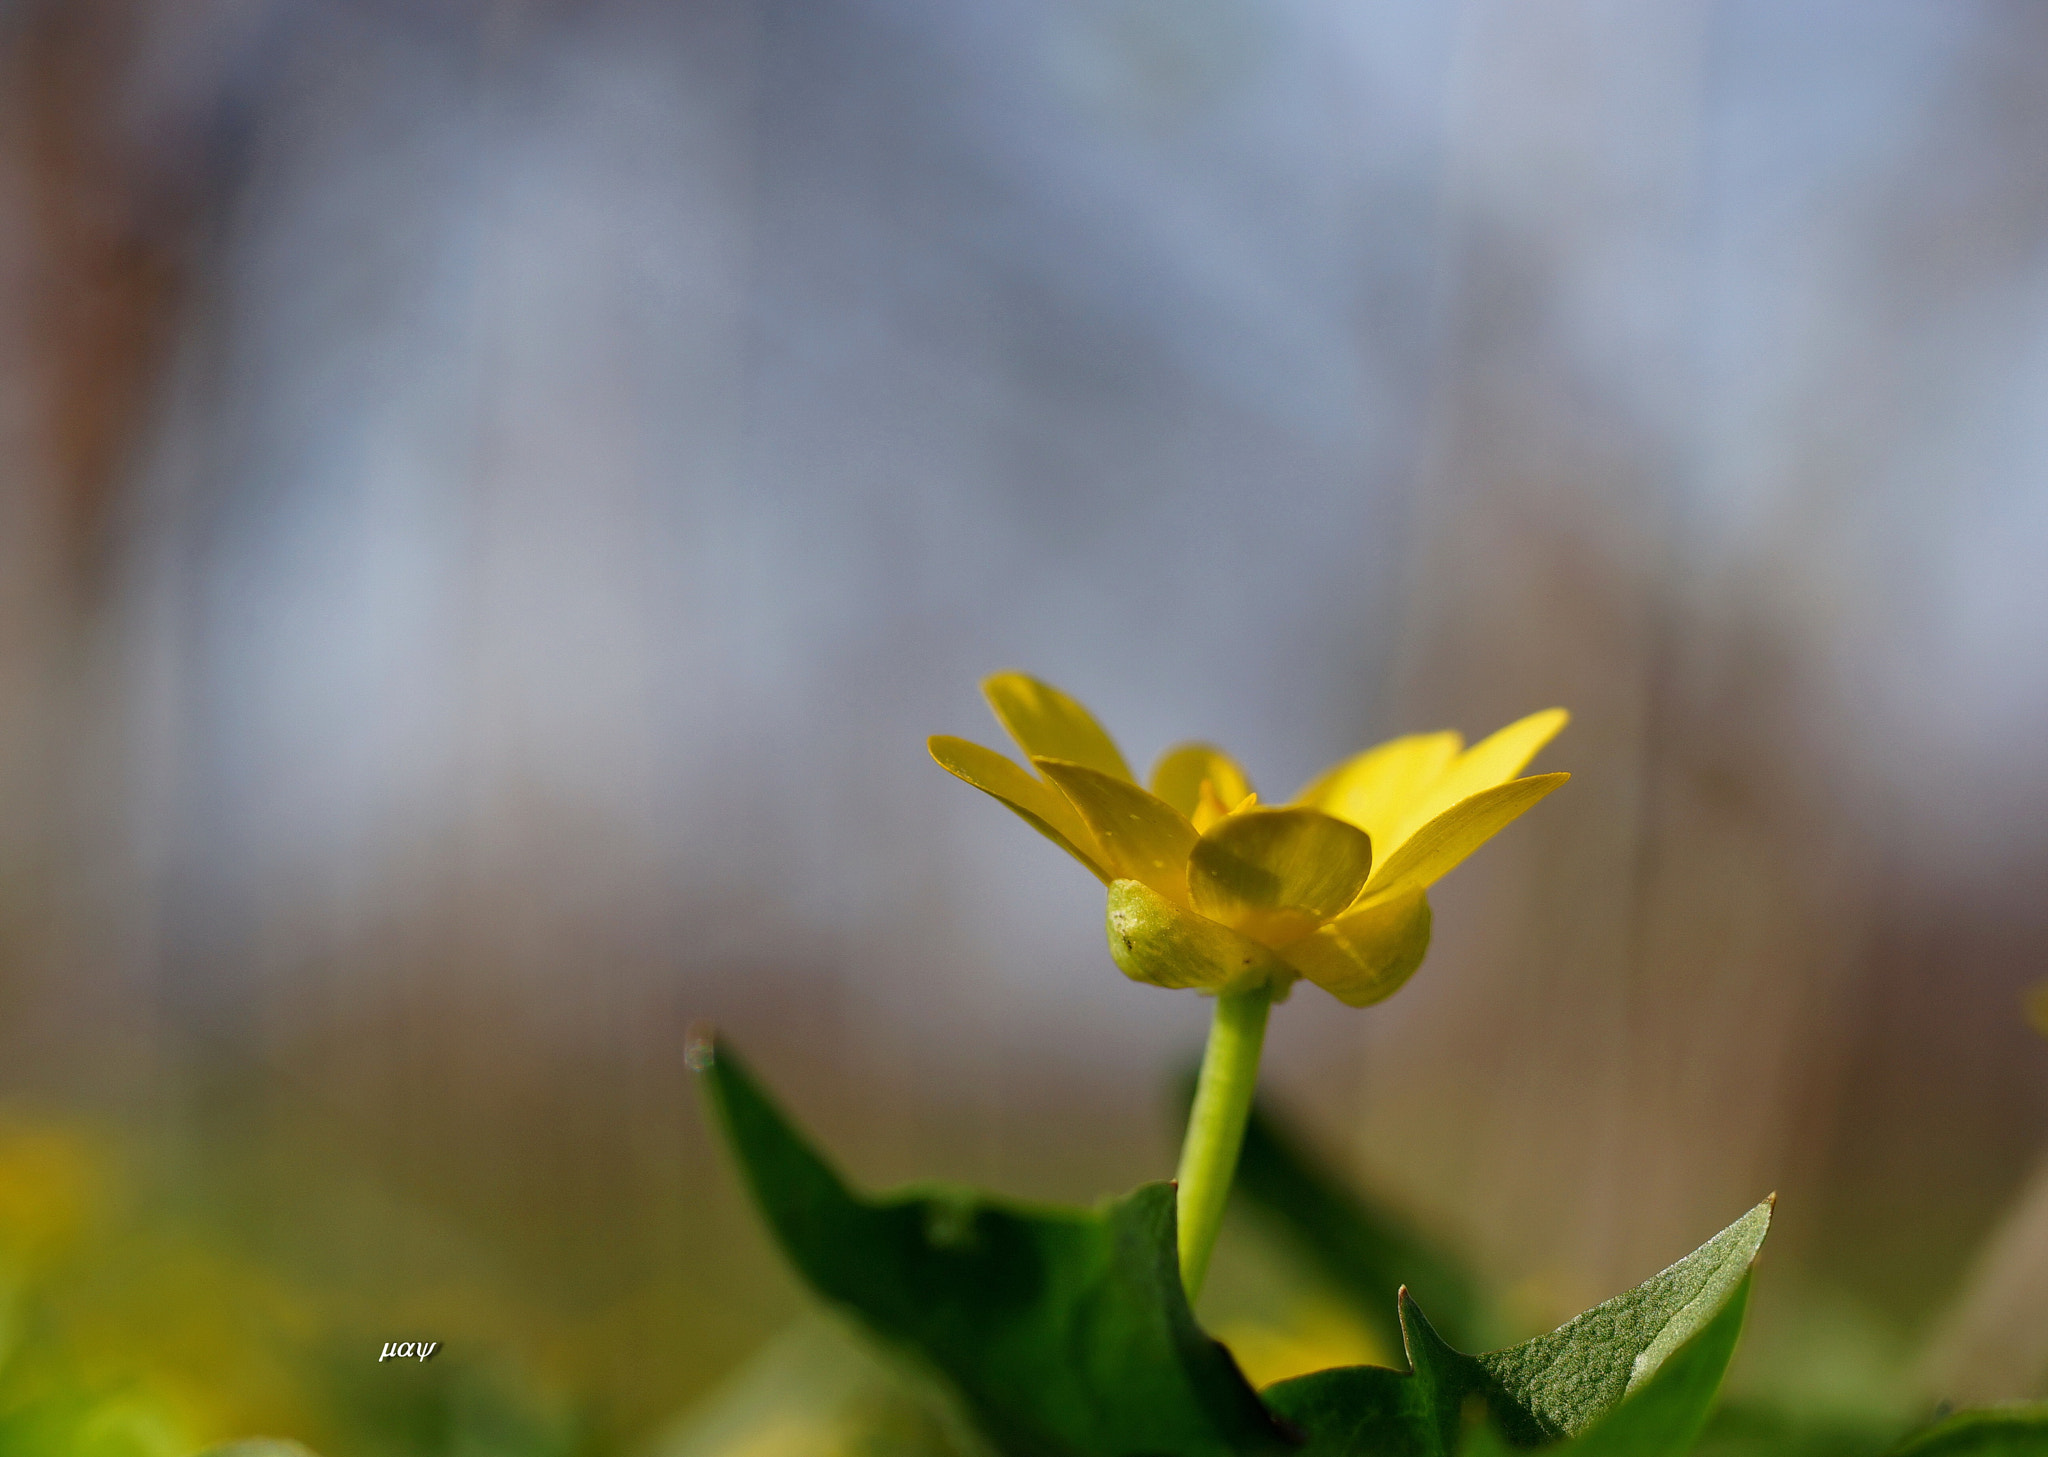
1223 1101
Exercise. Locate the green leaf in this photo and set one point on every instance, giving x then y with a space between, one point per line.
1065 1333
1660 1418
1663 1416
1365 1253
1661 1346
1999 1431
1571 1376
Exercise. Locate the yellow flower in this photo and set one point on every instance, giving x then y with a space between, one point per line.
1210 889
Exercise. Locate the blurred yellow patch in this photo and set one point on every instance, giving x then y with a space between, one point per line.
2037 1008
53 1179
1539 1301
209 1335
1316 1335
149 1334
822 1390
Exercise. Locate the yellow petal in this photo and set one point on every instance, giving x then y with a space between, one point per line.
1364 955
1434 850
1374 789
1141 836
1213 808
1046 723
1275 874
1041 806
1153 940
1177 777
1493 760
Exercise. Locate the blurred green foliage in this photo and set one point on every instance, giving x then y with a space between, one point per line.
135 1321
134 1324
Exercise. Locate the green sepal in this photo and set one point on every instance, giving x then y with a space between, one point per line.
1153 940
1065 1333
2020 1430
1632 1377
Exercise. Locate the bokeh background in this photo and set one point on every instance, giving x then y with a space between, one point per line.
494 495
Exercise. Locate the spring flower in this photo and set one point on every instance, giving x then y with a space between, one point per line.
1210 889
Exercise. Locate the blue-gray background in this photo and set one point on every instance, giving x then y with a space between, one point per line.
498 494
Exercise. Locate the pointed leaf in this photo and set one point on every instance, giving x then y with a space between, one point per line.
1141 836
1065 1333
1035 802
1047 724
1153 940
1663 1416
1275 874
1559 1385
1368 953
1568 1377
1364 1411
1178 777
1436 849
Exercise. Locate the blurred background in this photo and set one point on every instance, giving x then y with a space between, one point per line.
493 497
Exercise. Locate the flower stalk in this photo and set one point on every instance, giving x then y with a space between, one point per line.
1223 1103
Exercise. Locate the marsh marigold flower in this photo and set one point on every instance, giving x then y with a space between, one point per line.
1210 889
